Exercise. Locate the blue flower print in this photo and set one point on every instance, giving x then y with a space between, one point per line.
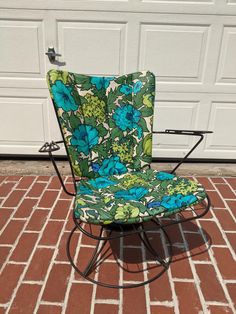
153 204
137 87
101 82
101 183
134 194
95 167
177 201
111 166
62 96
164 176
140 131
82 189
84 138
126 89
126 117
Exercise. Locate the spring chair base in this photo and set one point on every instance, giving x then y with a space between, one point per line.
126 231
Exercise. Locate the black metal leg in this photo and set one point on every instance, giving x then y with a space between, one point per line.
95 256
144 238
141 233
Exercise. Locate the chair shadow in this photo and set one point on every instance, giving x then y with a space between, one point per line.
130 254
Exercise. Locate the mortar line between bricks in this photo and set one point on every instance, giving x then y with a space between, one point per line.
202 262
191 232
39 300
194 272
17 263
61 262
18 219
21 232
107 301
228 199
95 278
227 183
121 276
32 282
6 196
219 246
72 275
29 260
229 281
182 279
51 303
219 276
222 233
81 281
15 209
164 303
26 192
217 303
175 300
146 287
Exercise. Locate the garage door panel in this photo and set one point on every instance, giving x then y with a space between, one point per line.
20 54
227 62
93 48
23 121
185 117
222 121
174 52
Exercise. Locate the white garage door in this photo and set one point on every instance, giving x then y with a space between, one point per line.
189 45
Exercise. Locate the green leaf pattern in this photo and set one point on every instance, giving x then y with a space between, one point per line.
106 123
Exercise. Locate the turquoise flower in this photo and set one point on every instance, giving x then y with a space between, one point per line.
126 89
126 117
62 96
84 138
177 201
134 194
111 166
101 82
101 183
137 87
82 189
164 176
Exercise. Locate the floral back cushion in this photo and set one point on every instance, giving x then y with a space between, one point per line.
106 122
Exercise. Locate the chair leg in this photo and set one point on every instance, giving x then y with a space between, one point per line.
144 238
96 254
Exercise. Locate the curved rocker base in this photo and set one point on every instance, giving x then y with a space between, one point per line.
124 231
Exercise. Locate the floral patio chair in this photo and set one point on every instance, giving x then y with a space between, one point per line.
106 126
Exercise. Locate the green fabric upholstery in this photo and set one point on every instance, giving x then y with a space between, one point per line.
106 123
134 197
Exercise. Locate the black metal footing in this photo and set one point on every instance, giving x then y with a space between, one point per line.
125 231
99 247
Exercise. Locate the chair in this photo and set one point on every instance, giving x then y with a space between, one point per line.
106 126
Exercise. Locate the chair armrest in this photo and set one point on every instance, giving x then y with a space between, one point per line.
183 132
199 133
50 148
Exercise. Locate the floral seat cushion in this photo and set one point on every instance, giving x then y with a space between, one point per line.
134 197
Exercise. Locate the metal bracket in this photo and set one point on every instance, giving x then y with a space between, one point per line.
49 147
51 53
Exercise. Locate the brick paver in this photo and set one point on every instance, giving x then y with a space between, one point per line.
36 277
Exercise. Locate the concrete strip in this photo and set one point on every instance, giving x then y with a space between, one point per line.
44 167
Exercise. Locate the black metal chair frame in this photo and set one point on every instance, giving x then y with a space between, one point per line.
123 230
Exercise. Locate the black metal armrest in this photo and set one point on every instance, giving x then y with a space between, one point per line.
199 133
184 132
50 148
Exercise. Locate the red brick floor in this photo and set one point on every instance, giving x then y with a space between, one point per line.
36 277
